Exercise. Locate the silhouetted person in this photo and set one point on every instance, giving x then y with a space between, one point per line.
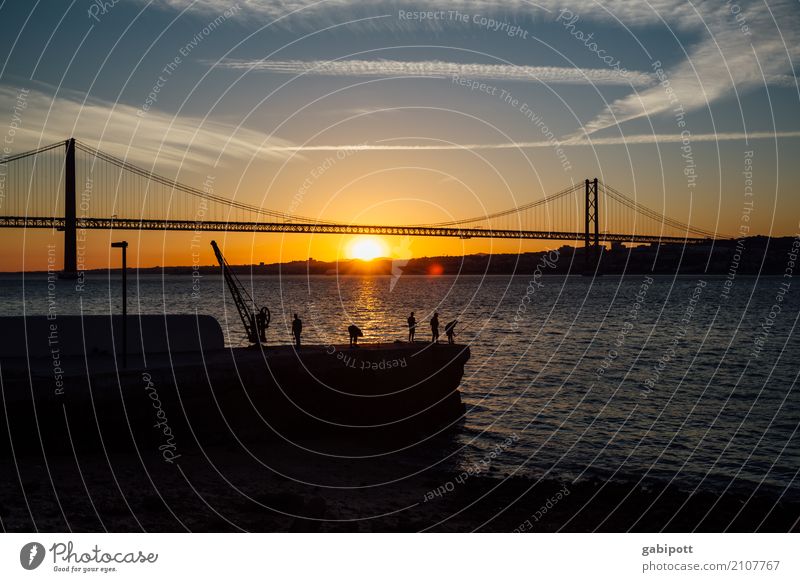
435 327
297 329
355 333
450 331
412 327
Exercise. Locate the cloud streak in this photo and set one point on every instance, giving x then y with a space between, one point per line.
742 46
173 142
440 69
731 47
573 142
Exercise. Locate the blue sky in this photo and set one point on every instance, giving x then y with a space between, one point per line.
267 91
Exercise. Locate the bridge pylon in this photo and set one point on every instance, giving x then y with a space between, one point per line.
70 231
591 251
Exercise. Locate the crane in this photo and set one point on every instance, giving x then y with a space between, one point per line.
255 321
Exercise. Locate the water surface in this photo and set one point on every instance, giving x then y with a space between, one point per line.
628 378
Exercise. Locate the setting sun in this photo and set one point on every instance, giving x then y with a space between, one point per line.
366 248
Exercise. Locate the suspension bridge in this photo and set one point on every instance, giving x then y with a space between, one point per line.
39 189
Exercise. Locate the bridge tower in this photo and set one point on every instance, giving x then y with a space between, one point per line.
70 231
592 231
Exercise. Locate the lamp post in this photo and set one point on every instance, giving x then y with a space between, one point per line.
124 246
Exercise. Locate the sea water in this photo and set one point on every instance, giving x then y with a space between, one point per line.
637 378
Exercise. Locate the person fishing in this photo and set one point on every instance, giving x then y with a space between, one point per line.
412 327
435 328
354 333
450 331
297 329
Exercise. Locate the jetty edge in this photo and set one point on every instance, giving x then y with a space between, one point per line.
64 387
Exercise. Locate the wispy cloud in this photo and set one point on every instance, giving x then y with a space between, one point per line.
730 48
630 140
193 143
742 46
173 142
439 69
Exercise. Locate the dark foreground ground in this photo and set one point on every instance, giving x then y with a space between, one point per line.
190 480
277 487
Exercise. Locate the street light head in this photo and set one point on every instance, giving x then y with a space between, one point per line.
119 245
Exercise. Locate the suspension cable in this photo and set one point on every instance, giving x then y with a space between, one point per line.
632 204
5 160
192 190
610 192
515 210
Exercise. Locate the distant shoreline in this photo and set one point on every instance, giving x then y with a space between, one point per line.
759 255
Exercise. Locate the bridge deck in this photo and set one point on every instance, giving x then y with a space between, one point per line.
326 228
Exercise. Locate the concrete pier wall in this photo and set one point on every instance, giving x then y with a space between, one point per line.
400 392
75 335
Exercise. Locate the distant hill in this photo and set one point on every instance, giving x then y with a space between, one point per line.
747 256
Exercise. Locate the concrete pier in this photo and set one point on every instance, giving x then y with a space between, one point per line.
170 402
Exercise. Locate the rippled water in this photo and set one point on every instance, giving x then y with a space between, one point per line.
619 377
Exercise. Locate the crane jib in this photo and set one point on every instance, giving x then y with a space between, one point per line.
255 320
